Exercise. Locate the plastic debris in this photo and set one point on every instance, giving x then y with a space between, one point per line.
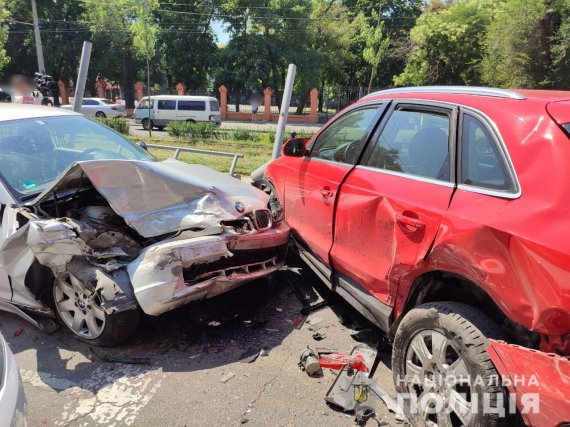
314 321
309 362
305 311
18 332
227 377
214 323
280 310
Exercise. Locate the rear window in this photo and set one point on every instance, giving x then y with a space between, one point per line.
214 106
192 105
108 102
482 163
166 105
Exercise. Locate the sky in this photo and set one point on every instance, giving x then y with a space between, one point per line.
221 32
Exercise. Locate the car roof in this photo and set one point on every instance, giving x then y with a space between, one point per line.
194 97
10 111
465 94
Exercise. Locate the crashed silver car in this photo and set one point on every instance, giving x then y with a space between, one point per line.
95 230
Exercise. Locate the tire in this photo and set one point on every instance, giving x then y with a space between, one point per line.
461 333
101 115
145 123
82 314
191 121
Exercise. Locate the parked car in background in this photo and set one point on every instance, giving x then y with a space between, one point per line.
95 230
100 107
5 96
167 108
441 213
12 397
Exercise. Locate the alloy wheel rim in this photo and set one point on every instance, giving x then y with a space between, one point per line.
436 375
79 309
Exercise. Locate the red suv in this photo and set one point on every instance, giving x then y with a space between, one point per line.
441 214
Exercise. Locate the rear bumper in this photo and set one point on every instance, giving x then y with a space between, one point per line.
173 273
538 381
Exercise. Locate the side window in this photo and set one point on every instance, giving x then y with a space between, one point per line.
192 105
214 106
343 140
414 142
482 164
89 102
166 105
143 104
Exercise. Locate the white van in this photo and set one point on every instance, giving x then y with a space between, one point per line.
166 108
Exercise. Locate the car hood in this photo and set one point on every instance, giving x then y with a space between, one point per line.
157 198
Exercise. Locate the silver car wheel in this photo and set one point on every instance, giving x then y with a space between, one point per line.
79 309
437 375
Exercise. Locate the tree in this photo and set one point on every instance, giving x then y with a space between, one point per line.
127 29
561 46
61 37
445 46
3 35
376 47
518 45
187 41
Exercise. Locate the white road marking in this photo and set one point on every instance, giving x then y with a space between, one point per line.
113 395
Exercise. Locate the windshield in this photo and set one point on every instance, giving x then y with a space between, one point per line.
106 101
33 152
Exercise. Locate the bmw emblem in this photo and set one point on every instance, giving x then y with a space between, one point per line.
240 207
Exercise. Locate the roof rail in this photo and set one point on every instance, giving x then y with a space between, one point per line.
464 90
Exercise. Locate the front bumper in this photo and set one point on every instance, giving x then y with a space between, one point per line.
170 274
538 381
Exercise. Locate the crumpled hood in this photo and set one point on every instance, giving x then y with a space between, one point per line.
157 198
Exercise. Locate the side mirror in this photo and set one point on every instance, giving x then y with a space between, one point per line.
295 147
142 145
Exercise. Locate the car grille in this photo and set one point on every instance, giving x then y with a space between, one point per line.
262 219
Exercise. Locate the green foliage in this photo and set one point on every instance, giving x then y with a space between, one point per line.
119 124
3 35
191 130
517 45
446 45
376 47
243 135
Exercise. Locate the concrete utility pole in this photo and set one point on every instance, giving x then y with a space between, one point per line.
39 49
284 113
82 76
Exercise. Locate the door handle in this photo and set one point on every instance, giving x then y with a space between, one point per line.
327 193
408 223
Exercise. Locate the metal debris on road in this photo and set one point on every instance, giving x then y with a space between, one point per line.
309 362
214 323
305 311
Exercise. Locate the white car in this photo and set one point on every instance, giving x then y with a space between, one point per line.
99 107
95 230
12 397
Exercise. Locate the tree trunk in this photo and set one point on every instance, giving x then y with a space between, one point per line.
321 97
128 80
302 104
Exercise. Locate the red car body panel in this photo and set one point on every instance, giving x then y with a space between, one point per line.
534 377
369 211
516 249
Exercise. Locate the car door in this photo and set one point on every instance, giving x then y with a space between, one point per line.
391 205
88 107
165 112
312 183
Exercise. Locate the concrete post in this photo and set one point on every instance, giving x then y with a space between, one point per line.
223 101
139 90
314 104
267 92
63 92
82 76
181 88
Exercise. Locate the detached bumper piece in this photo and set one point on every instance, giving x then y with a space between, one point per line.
540 382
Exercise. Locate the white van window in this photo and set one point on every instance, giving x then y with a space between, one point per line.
214 106
166 105
143 105
192 105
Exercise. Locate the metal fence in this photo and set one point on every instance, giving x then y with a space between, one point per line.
178 150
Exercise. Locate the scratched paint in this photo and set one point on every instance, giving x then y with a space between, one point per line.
109 397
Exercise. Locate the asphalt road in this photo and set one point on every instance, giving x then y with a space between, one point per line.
135 129
190 356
